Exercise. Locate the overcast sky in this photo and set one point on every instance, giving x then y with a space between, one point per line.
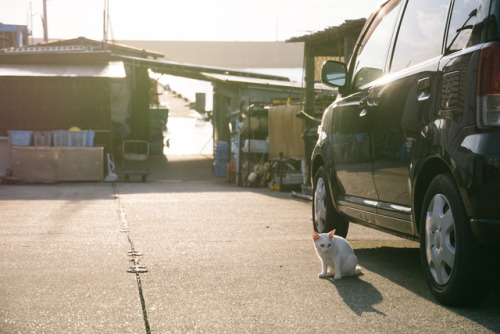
185 20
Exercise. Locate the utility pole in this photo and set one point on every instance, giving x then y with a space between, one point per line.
105 23
31 23
44 21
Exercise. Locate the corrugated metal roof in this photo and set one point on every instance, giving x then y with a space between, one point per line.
330 42
250 81
331 33
60 59
239 80
92 45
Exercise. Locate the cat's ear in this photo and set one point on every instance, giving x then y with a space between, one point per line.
315 236
332 233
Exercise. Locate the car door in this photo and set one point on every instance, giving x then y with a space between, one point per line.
353 116
405 100
352 154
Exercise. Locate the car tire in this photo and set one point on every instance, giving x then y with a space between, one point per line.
325 217
453 262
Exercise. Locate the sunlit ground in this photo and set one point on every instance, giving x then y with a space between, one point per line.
188 136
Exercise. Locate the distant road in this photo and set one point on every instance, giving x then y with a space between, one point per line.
227 54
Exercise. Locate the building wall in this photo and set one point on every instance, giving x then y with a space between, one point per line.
56 103
228 54
12 35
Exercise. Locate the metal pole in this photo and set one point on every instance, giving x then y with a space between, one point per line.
105 23
31 23
45 25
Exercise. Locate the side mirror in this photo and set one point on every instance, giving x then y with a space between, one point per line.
333 73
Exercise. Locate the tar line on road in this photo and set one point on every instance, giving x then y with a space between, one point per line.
136 269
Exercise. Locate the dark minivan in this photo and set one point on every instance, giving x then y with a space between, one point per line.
412 144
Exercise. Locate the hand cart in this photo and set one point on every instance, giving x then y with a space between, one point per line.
135 161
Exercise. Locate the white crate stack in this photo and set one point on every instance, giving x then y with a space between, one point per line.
56 138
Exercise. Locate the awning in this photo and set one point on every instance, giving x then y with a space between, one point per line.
114 69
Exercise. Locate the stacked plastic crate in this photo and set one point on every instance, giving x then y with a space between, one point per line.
221 158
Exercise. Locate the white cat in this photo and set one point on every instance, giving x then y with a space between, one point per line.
336 255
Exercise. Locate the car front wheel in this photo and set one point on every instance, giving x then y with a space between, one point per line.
453 261
325 217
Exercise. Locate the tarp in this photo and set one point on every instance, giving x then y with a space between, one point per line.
108 70
120 101
285 132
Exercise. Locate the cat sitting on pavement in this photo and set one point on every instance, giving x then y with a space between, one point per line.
336 255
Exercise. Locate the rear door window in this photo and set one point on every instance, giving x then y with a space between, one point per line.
421 33
466 25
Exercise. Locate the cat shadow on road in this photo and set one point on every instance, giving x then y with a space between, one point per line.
358 294
399 265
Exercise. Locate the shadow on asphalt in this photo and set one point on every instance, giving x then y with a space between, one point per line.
196 171
358 294
402 266
168 174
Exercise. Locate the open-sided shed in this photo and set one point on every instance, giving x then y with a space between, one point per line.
75 83
232 93
332 43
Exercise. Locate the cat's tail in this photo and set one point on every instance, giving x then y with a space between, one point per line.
357 271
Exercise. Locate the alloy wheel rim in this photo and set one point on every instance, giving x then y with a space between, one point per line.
440 239
320 205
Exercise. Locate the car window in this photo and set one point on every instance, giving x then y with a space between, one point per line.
372 54
464 30
420 34
493 24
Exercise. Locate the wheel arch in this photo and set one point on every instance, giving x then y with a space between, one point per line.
331 182
426 173
317 162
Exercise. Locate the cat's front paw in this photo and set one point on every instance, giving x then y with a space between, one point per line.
322 275
337 277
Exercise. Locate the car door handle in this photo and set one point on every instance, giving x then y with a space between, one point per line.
423 89
363 103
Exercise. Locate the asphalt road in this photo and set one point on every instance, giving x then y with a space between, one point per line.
219 259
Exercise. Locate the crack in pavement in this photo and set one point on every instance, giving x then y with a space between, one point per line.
136 269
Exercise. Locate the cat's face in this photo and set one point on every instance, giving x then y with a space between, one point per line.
323 242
